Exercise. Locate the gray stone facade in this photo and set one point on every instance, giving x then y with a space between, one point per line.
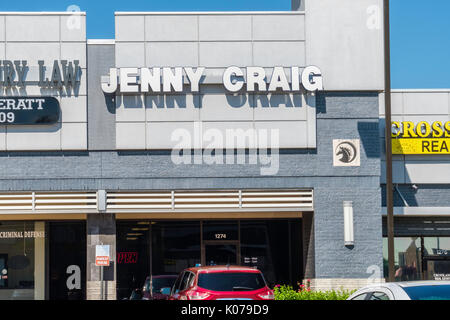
340 116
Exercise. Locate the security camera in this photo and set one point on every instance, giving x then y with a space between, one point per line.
415 187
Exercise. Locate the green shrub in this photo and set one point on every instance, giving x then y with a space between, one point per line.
283 292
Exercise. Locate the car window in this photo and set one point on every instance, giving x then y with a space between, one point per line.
159 283
191 280
360 297
176 286
379 296
185 281
429 292
231 281
147 285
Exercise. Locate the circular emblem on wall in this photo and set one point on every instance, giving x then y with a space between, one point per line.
346 152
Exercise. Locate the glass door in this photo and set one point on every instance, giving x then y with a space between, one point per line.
220 253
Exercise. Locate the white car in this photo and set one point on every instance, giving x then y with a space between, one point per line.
414 290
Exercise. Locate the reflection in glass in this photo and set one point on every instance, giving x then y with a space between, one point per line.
18 266
133 257
217 255
265 245
175 246
407 258
436 246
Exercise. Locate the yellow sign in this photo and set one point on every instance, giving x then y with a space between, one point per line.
420 138
420 146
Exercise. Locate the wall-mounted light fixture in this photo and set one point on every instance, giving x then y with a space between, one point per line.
101 200
348 223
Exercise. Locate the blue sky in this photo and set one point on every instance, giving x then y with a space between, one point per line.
420 30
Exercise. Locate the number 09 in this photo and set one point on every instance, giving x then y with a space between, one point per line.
7 117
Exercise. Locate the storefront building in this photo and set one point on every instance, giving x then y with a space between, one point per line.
421 162
246 138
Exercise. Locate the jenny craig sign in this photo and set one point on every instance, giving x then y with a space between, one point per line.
420 138
167 80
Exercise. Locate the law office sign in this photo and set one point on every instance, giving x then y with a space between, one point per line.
420 138
29 111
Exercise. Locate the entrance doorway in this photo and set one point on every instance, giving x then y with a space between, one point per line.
67 247
220 253
159 247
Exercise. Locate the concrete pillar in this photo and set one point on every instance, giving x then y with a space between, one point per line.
308 246
298 5
39 263
101 230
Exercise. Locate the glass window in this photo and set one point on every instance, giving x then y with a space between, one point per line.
360 297
437 269
231 281
175 246
220 230
408 263
436 246
176 286
265 245
379 296
133 256
436 292
162 282
22 260
67 260
185 281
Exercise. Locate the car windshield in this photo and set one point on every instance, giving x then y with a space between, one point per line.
431 292
159 283
231 281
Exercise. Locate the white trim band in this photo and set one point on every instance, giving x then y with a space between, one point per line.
418 211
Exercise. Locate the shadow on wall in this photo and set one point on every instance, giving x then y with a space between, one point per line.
172 101
357 108
110 101
368 132
31 154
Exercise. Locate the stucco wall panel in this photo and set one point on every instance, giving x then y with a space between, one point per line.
225 28
345 39
171 28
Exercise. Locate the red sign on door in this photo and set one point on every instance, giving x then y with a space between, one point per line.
102 255
102 261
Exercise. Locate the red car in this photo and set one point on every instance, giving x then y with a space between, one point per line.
221 283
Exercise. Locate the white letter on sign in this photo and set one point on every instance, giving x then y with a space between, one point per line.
279 80
111 87
256 75
151 80
312 78
228 83
173 80
128 80
194 77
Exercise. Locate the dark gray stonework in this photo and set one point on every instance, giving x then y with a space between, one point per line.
101 107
